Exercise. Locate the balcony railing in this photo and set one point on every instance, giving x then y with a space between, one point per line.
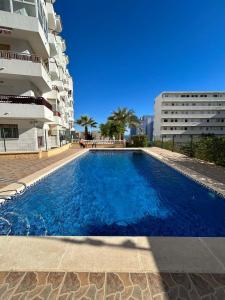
55 88
57 113
24 100
5 54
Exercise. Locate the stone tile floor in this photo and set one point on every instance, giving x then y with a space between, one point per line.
205 168
205 172
18 168
111 286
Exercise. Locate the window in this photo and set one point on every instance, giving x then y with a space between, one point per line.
9 131
5 5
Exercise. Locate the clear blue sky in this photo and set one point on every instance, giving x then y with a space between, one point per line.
125 52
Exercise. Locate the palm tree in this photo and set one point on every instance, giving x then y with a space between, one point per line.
111 130
86 121
124 118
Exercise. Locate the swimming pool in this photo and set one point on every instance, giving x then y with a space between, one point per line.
115 193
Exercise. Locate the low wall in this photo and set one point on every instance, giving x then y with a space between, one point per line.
53 152
37 154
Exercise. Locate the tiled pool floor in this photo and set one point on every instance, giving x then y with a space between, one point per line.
111 286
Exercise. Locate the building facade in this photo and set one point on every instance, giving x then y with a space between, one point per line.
145 127
36 89
189 114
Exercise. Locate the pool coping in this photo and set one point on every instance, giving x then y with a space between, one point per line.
109 254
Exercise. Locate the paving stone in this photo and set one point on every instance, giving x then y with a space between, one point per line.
114 283
117 286
202 286
71 283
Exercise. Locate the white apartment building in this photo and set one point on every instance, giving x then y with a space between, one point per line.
36 89
189 114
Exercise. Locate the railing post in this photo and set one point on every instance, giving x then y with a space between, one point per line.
162 142
3 131
191 148
173 144
46 143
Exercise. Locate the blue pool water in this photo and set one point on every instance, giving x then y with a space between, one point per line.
115 193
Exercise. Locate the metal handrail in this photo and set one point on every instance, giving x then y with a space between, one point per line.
25 100
106 142
6 54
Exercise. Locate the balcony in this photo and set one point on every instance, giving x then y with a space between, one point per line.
189 131
63 45
52 44
53 70
202 123
53 94
59 85
26 26
58 24
57 114
192 107
23 107
192 116
51 16
25 66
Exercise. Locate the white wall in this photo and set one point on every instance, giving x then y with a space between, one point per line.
27 140
25 111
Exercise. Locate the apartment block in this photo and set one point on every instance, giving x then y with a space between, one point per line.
36 89
145 127
189 114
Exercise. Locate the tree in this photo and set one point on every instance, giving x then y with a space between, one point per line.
111 129
105 129
86 121
123 118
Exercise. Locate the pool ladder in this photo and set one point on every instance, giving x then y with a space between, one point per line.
5 196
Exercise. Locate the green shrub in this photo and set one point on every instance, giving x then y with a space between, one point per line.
139 141
211 149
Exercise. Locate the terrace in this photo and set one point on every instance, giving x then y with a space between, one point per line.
22 107
25 66
139 267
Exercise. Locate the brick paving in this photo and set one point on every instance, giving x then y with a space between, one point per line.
111 286
18 168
